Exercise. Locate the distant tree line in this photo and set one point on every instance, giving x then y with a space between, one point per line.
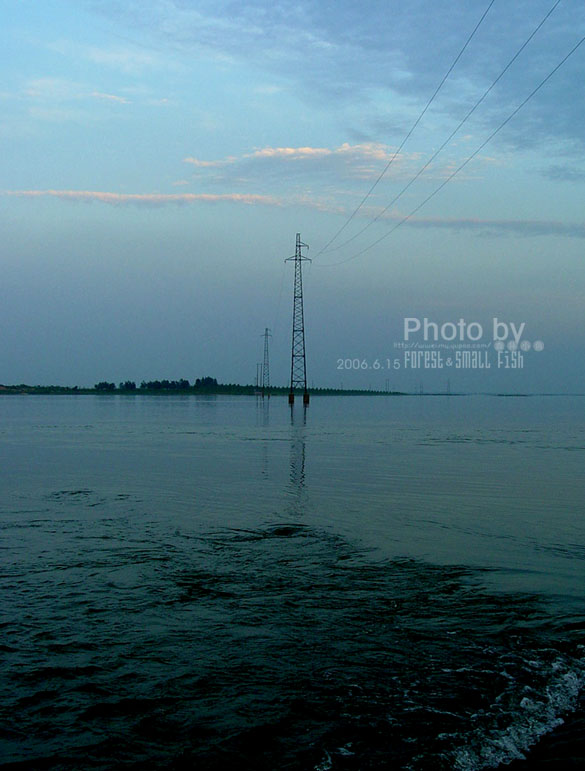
200 384
204 385
165 385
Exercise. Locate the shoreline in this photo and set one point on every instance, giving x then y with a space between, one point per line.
219 391
244 390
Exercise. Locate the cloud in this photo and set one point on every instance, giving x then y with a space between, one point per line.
374 150
127 59
290 153
363 56
110 97
565 173
148 199
358 161
362 161
268 90
491 227
208 164
59 100
54 89
498 227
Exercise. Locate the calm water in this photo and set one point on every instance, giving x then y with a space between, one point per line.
214 583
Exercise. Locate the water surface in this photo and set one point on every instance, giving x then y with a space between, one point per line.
216 582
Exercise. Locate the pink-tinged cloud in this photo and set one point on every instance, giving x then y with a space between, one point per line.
208 164
370 151
290 153
110 97
481 226
149 199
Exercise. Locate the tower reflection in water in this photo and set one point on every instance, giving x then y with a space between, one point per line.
296 485
295 488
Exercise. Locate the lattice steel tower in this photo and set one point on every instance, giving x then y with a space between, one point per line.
266 366
298 364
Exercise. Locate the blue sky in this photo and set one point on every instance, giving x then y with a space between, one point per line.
159 157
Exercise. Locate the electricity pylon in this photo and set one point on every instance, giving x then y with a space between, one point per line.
266 366
298 364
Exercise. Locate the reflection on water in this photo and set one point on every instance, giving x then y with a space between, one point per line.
297 454
296 487
262 411
218 583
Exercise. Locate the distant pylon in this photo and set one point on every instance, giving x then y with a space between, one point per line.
266 366
298 364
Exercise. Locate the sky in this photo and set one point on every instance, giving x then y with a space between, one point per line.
158 159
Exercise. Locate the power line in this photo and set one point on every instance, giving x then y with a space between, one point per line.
464 164
414 125
451 135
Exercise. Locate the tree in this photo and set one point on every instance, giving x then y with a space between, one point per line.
206 382
105 386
